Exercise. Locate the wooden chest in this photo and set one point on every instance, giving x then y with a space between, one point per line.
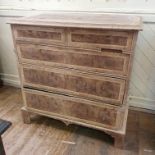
75 67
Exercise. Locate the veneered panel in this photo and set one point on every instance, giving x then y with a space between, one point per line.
107 61
103 89
99 39
70 107
40 35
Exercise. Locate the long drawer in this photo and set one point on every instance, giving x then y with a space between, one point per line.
106 62
99 88
76 109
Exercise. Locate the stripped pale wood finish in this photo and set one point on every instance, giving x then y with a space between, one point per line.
51 137
111 62
75 109
92 87
40 34
97 84
101 39
83 20
82 38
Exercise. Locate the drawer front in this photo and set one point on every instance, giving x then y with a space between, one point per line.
73 108
111 39
105 89
107 61
41 35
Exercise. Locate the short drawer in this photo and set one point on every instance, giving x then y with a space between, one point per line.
41 35
110 39
74 109
106 62
99 88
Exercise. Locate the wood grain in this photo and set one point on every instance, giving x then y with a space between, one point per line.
73 108
89 56
110 39
83 20
53 137
111 62
63 81
39 34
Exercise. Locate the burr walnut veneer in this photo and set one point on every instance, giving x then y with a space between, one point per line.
75 67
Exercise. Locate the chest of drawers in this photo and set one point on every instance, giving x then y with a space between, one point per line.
75 67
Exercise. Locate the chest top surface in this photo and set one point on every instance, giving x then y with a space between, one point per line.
83 20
